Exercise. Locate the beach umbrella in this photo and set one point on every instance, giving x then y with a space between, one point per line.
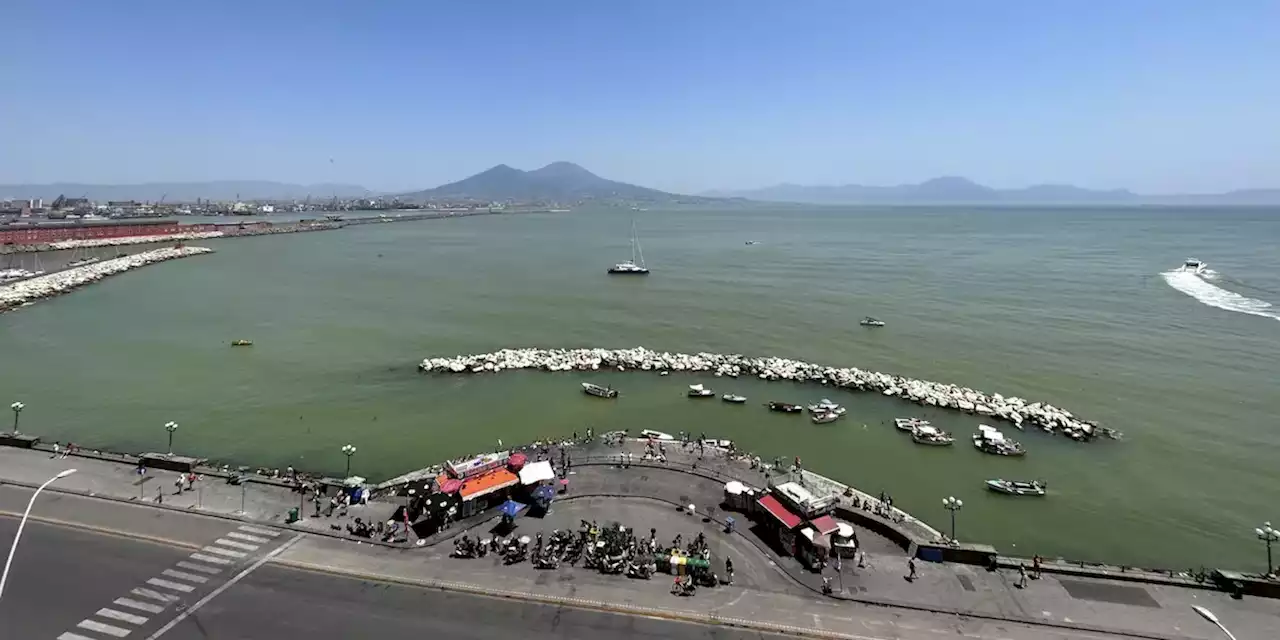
512 508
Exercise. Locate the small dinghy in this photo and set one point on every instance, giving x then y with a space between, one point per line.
242 343
699 391
599 391
1017 487
732 399
824 417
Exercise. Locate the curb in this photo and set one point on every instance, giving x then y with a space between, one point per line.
80 526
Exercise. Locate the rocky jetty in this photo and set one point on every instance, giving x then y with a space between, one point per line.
128 240
28 291
949 396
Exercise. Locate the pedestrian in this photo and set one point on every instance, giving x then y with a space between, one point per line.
178 484
159 495
1035 563
1022 576
911 569
57 450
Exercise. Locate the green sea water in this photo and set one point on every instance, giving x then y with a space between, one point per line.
1061 305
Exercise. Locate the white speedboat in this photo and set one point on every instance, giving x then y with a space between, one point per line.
699 391
733 399
871 322
827 406
1017 487
1191 265
656 435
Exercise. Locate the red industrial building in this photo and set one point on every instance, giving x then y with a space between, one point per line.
24 232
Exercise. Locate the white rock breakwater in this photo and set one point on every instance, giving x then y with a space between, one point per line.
28 291
948 396
128 240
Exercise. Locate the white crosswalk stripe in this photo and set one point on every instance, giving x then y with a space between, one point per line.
237 545
140 606
248 538
112 614
73 636
94 625
270 533
167 584
199 567
211 559
224 552
154 595
183 575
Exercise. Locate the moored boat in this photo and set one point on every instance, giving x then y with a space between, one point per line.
1017 487
907 424
656 435
242 343
733 399
991 440
699 391
784 407
599 391
932 436
871 322
827 406
823 417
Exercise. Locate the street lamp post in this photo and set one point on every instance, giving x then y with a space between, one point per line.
170 426
17 409
349 450
1268 535
953 505
1208 615
4 577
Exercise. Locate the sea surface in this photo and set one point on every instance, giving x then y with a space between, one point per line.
1071 306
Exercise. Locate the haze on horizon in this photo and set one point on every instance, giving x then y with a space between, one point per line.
1159 97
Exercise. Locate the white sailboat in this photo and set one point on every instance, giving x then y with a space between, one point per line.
634 266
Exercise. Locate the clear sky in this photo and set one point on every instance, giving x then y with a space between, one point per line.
684 95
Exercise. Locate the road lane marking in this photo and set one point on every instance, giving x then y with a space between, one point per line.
154 595
270 533
237 545
184 588
227 585
203 558
73 636
224 552
140 606
121 616
248 538
183 575
94 625
199 567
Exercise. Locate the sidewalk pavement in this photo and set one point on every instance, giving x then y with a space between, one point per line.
265 502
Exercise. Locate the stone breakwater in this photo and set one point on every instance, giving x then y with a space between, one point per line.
924 392
28 291
129 240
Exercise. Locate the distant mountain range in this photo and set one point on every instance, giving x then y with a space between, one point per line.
182 191
557 182
955 190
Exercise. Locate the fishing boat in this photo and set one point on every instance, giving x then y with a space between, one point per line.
1017 487
907 424
242 343
732 399
871 322
699 391
824 417
634 266
827 406
599 391
990 440
784 407
932 436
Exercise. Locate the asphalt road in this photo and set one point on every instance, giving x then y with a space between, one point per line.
59 575
276 602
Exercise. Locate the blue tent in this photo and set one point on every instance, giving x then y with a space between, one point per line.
511 508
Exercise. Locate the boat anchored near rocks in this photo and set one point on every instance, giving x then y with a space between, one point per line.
908 424
599 391
784 407
827 406
991 440
929 435
733 399
1017 487
699 391
1015 410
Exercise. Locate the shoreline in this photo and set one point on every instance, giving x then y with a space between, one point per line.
26 292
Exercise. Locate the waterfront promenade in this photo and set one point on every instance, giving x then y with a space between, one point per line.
770 590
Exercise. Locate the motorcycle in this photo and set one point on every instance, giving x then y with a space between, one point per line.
639 571
546 562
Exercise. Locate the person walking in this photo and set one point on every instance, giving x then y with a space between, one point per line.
1022 576
911 569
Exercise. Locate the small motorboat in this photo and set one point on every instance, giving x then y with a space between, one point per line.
751 242
656 435
732 399
1191 265
871 322
599 391
827 406
242 343
1017 487
908 424
932 436
824 417
699 391
990 440
784 407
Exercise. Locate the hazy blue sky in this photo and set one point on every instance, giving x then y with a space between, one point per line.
1160 95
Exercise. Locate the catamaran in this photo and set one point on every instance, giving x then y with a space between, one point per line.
634 266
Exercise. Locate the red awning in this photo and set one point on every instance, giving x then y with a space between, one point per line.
824 525
451 485
517 460
783 514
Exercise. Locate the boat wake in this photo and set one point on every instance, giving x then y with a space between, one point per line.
1203 289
